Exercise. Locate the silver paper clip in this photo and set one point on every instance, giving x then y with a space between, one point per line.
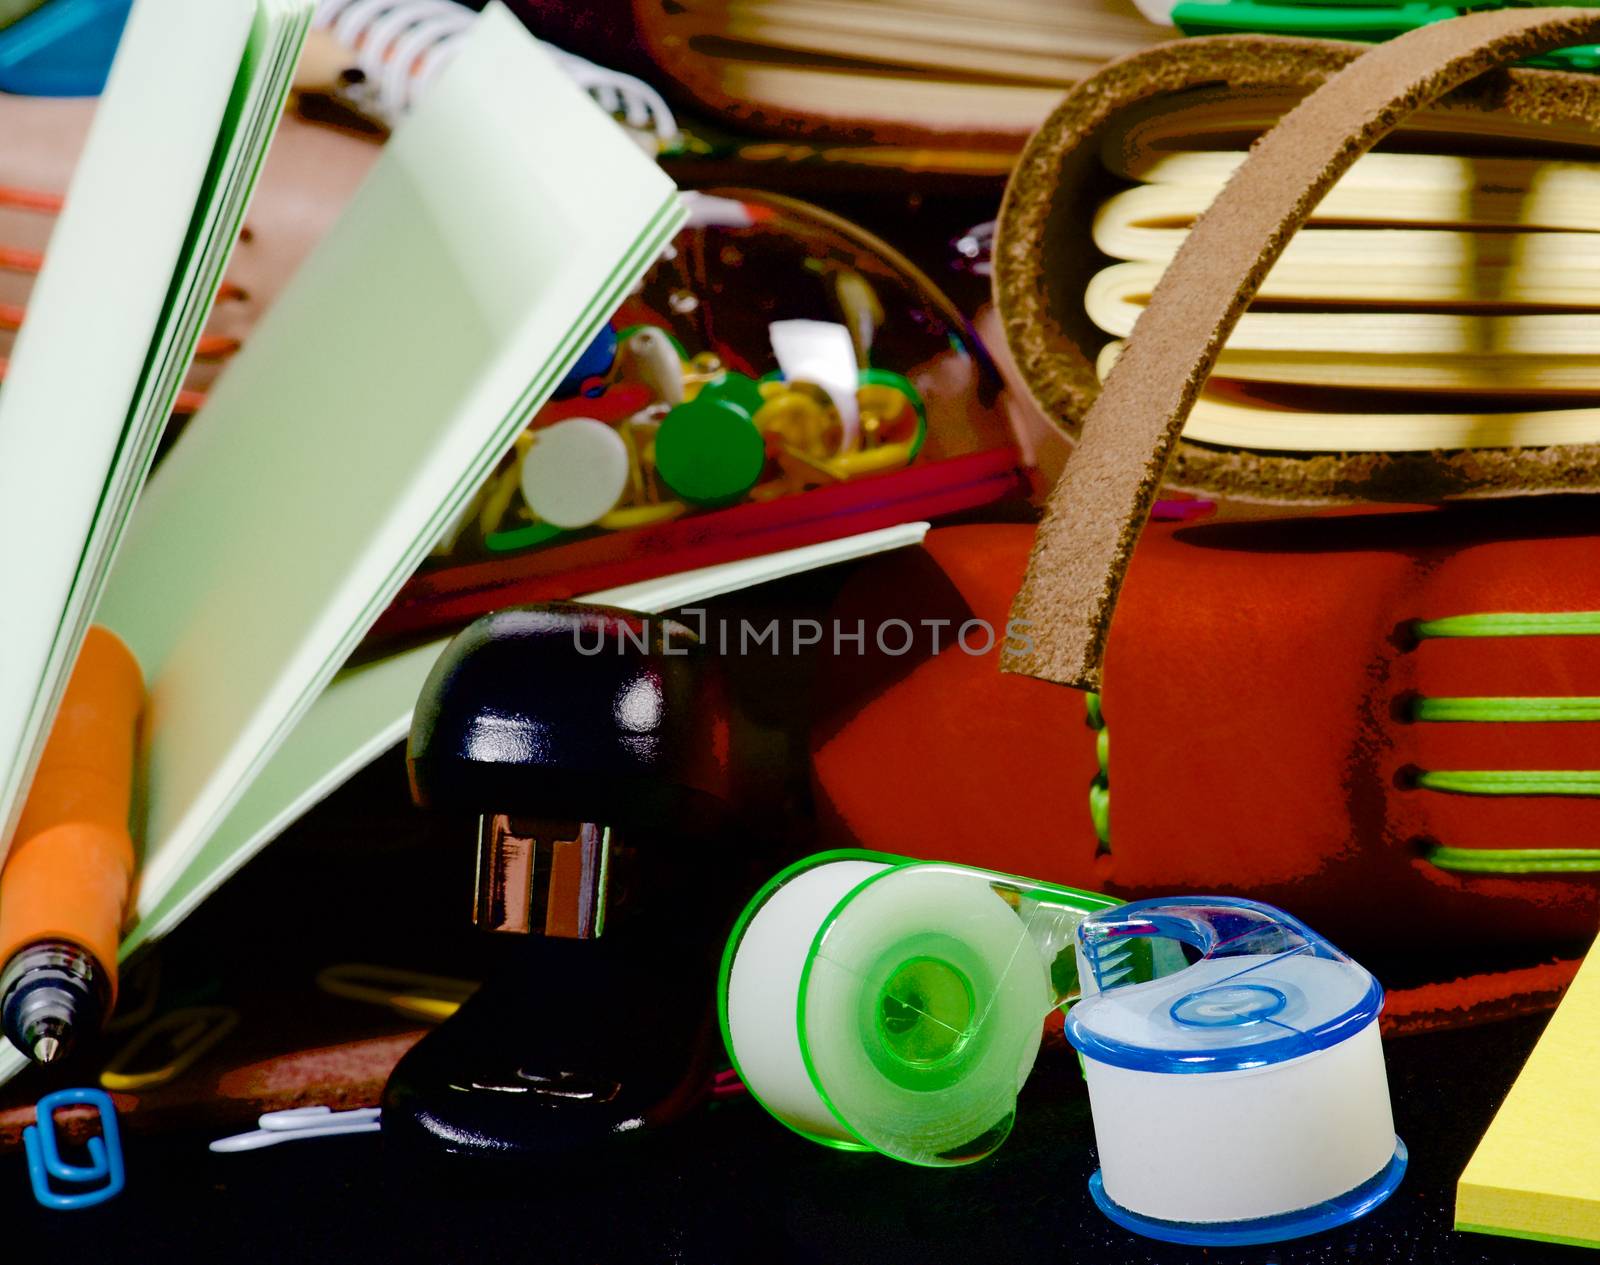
301 1122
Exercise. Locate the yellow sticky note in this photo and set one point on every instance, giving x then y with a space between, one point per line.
1536 1174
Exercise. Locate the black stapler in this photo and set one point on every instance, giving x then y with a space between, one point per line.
593 745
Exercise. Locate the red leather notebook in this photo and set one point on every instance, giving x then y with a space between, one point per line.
1383 721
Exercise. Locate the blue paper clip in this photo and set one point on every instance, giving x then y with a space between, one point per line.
44 1155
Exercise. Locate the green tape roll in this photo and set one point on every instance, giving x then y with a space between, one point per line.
922 1009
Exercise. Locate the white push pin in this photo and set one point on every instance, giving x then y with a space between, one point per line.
822 352
656 360
575 473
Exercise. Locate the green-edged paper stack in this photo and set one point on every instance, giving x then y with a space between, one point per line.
135 259
503 224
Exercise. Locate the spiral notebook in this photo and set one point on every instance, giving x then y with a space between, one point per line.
502 224
1434 301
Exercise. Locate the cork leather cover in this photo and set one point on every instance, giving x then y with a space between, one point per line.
1129 432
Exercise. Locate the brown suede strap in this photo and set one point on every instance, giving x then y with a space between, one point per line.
1103 497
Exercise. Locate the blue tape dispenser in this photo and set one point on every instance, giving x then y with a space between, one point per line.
1235 1073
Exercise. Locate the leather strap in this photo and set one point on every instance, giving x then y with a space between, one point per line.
1099 505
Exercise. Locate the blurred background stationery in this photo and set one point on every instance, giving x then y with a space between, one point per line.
1369 23
367 64
62 49
13 10
932 73
933 85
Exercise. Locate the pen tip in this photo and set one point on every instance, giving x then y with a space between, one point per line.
46 1049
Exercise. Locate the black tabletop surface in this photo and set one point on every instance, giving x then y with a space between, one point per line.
730 1185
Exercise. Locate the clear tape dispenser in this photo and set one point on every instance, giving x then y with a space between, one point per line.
1235 1073
873 1002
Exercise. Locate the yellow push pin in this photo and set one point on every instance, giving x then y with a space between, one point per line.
701 371
798 415
881 408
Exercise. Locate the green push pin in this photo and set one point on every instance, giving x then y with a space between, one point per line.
738 389
709 452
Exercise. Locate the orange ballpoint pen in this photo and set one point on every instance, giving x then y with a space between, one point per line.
64 889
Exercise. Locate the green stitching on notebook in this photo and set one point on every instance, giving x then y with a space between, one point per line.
1511 624
1514 860
1532 710
1511 781
1525 710
1100 787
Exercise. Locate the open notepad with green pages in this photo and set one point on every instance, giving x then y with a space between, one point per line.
501 226
156 203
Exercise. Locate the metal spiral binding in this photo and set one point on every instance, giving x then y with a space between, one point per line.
400 46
